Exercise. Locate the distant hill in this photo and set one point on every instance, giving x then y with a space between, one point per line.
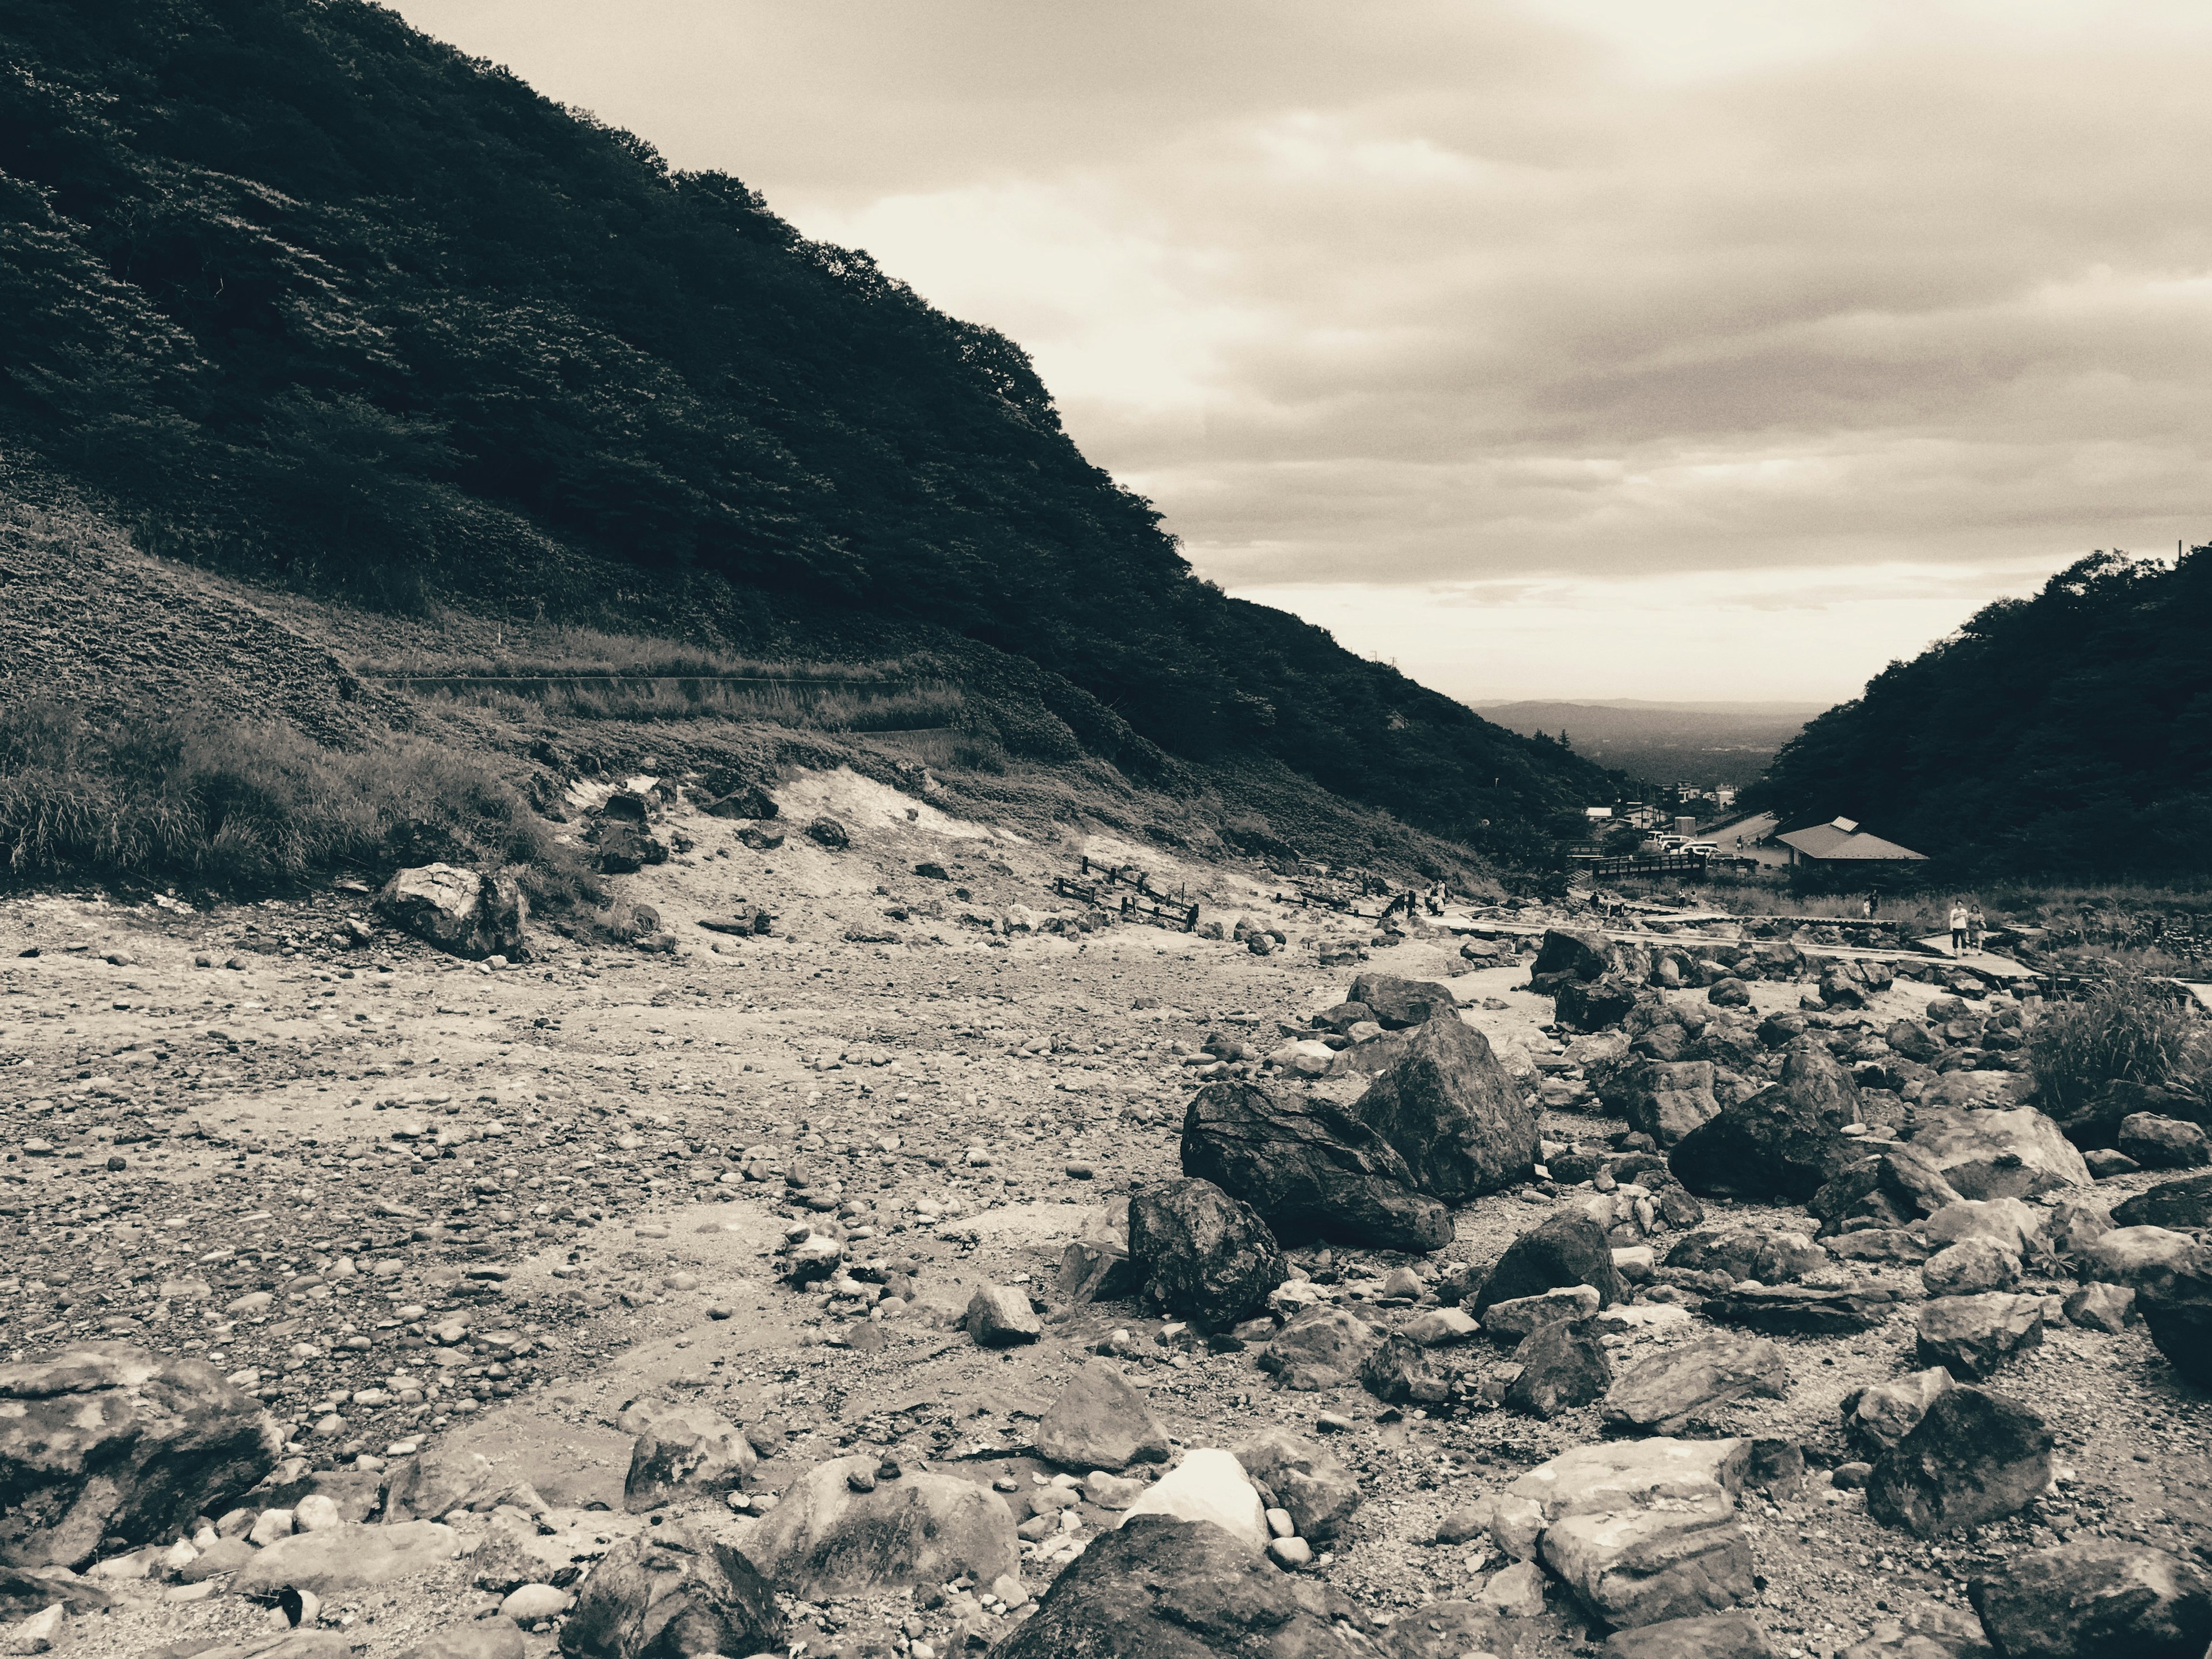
320 302
2068 735
1665 743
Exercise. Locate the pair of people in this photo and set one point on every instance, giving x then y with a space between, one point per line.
1967 925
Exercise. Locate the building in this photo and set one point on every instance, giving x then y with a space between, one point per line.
1842 842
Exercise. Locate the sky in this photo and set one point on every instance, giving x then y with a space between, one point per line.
1702 349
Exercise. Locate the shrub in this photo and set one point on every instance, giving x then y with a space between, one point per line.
2129 1030
245 806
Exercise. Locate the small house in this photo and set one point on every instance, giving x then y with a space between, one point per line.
1841 841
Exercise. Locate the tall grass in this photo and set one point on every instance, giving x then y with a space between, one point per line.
2128 1030
821 707
243 806
538 649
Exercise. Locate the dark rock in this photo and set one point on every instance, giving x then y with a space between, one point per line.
465 912
1663 1393
1453 1114
1310 1170
625 806
1306 1479
23 1593
1162 1588
1399 1004
1793 1310
105 1440
1728 993
1322 1348
828 832
1094 1270
1771 1258
2178 1312
2163 1143
2104 1163
1595 1005
1568 1249
2091 1598
1586 954
1204 1255
1779 1030
1398 1369
626 849
665 1594
1785 1142
1663 1099
1914 1041
760 840
2095 1122
1891 1187
1975 1456
751 802
1563 1365
1969 1336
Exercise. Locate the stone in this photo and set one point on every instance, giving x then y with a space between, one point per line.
2164 1143
1645 1567
1689 1477
1728 992
1322 1348
437 1482
1971 1336
1162 1588
1715 1636
1209 1485
2178 1311
2100 1307
1795 1310
1877 1417
1665 1391
1511 1322
1111 1491
1890 1188
1449 1630
466 913
1975 1456
104 1440
1562 1365
40 1632
1204 1255
1308 1168
270 1526
2096 1596
1585 953
668 1592
316 1511
1593 1006
2005 1154
823 1539
1667 1100
1515 1592
688 1451
533 1604
1453 1112
2105 1162
1000 1317
1290 1554
1567 1249
1401 1004
481 1640
1442 1328
1094 1270
1785 1142
1970 1268
1100 1422
751 802
286 1645
1400 1369
2184 1205
1770 1257
1914 1041
346 1558
828 832
1306 1480
2013 1226
2143 1259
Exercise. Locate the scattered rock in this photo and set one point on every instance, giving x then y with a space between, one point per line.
1563 1365
1400 1004
828 832
2095 1596
1770 1257
1715 1636
1100 1422
667 1593
1322 1348
1975 1456
1453 1112
2185 1205
2099 1307
1511 1322
467 913
1000 1317
1785 1142
1969 1336
1970 1268
825 1538
1209 1485
1306 1479
1877 1417
688 1451
2164 1143
1793 1310
1568 1249
2143 1259
1204 1255
2178 1312
1663 1393
2006 1154
346 1558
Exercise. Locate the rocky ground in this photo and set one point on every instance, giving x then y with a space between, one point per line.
427 1210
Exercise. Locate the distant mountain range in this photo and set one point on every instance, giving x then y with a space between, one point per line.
1666 742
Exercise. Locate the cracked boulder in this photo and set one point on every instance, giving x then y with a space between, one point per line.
467 913
1204 1255
1453 1112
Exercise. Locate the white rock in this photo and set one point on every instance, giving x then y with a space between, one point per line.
1208 1485
314 1512
270 1526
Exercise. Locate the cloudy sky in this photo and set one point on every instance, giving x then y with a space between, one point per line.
1697 349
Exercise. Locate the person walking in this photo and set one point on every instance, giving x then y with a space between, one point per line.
1958 927
1976 926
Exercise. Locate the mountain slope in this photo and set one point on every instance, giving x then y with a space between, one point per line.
324 302
2068 734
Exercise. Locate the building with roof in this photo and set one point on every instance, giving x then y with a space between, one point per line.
1840 841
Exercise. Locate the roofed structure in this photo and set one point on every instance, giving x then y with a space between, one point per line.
1842 840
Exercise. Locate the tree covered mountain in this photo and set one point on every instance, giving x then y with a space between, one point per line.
323 300
2069 734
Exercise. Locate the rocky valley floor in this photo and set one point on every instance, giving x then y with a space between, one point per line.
427 1211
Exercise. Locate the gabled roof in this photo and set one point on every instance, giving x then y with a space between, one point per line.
1844 839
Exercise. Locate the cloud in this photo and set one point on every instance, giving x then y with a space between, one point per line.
1422 298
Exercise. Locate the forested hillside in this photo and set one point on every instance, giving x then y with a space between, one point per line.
323 301
2069 734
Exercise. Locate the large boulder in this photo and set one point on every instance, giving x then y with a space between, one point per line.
1165 1588
105 1440
1586 953
2178 1311
1971 1336
1209 1485
827 1538
1615 1475
1322 1348
2184 1205
1975 1456
1567 1249
1595 1005
1890 1186
1561 1365
688 1451
1666 1099
1453 1112
348 1557
2010 1154
1304 1478
1100 1422
2163 1143
1308 1168
1668 1390
1398 1004
1785 1142
2095 1596
2144 1259
1203 1255
1877 1417
669 1594
469 913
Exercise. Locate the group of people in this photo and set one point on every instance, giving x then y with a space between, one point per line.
1967 926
